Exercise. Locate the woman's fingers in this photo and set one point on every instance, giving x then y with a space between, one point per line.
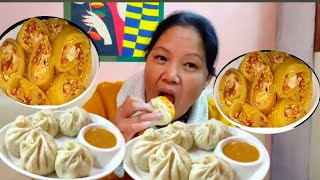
146 117
132 105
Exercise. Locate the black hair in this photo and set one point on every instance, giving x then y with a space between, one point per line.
202 25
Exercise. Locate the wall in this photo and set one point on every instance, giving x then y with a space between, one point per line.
241 27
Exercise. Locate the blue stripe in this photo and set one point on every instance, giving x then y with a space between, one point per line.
149 6
150 18
134 9
127 51
145 33
130 37
141 46
130 22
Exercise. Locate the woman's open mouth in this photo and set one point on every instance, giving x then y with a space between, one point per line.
169 94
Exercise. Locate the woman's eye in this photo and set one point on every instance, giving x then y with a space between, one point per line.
191 66
160 58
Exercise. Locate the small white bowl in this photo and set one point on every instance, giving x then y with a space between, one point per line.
102 155
243 169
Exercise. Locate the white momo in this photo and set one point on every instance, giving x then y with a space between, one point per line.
74 160
170 161
180 133
38 152
211 167
207 135
146 145
47 120
72 120
17 132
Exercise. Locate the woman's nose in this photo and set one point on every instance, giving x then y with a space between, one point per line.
172 73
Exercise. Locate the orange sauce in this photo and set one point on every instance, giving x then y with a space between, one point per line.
100 138
241 151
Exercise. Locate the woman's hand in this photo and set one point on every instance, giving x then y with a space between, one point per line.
128 119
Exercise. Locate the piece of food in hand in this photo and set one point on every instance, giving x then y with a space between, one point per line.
47 120
232 87
262 94
163 105
38 152
40 66
12 60
64 88
24 91
211 167
72 120
247 115
31 32
170 161
146 145
55 26
180 133
285 112
74 160
253 63
276 58
291 76
68 48
208 135
16 133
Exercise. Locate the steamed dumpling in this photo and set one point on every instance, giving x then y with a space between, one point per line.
17 132
211 167
208 135
38 152
146 145
180 133
170 162
72 120
74 160
47 120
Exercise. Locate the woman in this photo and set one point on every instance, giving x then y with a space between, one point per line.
179 65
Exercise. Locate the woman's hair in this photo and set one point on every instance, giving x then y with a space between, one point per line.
202 25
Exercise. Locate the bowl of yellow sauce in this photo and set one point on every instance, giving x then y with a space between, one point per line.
103 140
244 155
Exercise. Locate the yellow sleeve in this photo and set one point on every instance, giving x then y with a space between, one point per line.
214 112
103 101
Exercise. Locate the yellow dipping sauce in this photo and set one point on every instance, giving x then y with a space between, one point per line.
241 151
100 138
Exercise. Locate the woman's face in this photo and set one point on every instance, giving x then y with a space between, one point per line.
176 68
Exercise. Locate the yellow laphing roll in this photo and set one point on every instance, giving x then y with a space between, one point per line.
55 26
40 66
12 60
31 32
24 91
64 88
290 77
69 46
232 87
285 112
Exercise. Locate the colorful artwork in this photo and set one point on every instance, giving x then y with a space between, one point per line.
120 30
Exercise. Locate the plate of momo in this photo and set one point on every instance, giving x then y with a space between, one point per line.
62 145
267 91
47 62
211 150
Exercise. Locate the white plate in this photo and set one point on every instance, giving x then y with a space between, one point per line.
96 172
12 32
136 173
312 107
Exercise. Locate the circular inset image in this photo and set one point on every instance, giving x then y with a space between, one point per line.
47 63
266 91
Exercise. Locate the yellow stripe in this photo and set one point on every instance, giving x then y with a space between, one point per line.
148 25
129 44
133 15
143 40
136 4
130 30
138 53
150 12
